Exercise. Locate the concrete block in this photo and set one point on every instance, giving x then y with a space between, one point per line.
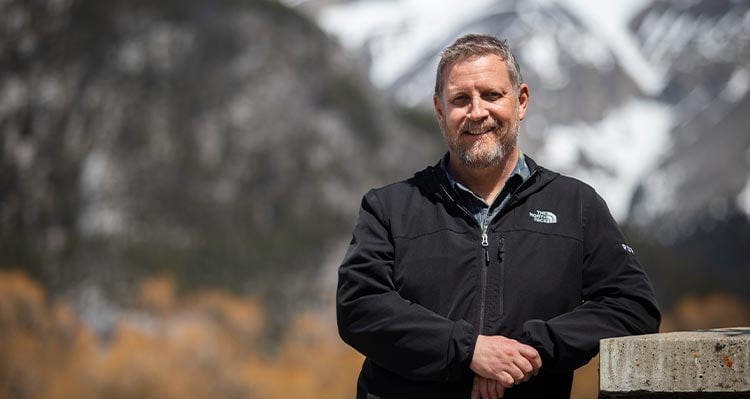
698 364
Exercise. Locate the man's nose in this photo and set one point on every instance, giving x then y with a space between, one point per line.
477 110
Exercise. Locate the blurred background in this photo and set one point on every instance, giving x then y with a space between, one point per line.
179 178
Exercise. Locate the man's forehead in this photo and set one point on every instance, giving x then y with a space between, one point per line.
473 57
485 62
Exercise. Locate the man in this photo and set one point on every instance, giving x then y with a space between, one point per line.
485 275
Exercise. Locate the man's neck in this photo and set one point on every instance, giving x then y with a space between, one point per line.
485 182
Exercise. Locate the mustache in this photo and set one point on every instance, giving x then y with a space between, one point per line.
473 127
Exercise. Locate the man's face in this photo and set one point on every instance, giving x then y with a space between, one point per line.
479 112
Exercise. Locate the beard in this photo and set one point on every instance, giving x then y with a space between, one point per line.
487 151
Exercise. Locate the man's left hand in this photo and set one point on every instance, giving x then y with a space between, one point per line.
486 388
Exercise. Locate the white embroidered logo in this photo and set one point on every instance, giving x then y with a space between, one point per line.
628 248
543 217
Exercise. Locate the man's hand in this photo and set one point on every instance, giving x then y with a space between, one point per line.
484 388
504 360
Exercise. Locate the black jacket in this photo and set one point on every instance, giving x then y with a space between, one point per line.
417 285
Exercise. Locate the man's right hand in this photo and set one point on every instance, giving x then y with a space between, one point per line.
505 360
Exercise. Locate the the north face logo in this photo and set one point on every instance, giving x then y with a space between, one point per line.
543 217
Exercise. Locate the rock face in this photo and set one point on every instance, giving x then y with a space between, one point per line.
711 363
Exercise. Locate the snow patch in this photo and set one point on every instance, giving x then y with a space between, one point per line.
743 199
737 85
616 154
658 196
540 54
397 33
609 20
590 50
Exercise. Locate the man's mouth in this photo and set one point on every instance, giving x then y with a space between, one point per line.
480 131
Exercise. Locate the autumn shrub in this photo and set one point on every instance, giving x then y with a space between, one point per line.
204 345
715 310
210 344
44 349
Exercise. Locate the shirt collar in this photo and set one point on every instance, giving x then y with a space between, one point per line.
521 169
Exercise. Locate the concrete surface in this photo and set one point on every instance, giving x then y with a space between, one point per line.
696 364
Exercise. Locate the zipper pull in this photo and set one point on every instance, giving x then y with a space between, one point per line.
485 245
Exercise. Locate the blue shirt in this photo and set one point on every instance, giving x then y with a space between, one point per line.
482 211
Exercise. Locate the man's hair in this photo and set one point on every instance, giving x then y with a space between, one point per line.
474 46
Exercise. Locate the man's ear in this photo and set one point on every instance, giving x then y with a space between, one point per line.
523 100
439 112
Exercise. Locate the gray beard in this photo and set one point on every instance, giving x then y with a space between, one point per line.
476 157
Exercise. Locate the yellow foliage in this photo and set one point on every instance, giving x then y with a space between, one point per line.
158 294
710 311
586 381
42 344
312 363
235 314
207 345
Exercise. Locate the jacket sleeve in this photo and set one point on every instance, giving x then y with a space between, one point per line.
617 298
396 334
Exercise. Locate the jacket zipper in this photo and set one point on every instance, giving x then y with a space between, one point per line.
485 246
485 243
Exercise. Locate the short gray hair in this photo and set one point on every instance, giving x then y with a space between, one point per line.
473 46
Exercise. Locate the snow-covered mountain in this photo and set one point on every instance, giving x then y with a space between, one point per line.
646 100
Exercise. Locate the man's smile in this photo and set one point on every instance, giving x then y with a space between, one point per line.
489 127
480 132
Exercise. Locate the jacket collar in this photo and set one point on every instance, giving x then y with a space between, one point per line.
435 184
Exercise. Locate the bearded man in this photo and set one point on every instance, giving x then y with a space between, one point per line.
485 275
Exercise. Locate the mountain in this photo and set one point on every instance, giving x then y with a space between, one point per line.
227 143
704 50
616 94
645 100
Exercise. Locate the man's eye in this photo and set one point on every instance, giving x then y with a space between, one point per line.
493 96
459 100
